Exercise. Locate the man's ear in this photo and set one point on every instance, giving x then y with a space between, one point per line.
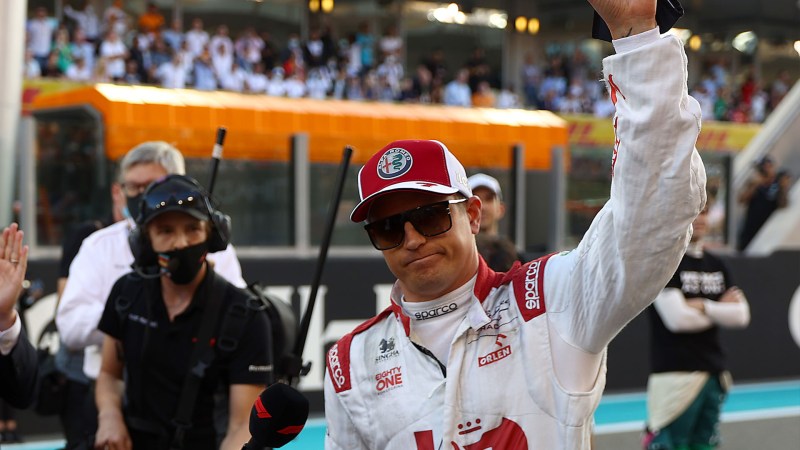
473 210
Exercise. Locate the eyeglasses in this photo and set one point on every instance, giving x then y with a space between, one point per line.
133 189
429 220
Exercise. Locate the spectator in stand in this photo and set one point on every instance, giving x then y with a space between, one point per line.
532 79
222 38
391 43
574 102
187 60
51 68
392 71
62 46
314 54
172 74
764 194
422 85
113 52
160 53
173 36
133 74
40 31
79 71
507 98
354 90
722 105
295 85
353 57
339 84
276 87
256 82
269 54
197 39
221 60
115 19
484 96
151 21
705 99
780 87
758 106
31 68
86 20
457 92
143 58
248 49
292 56
318 83
554 86
203 72
82 48
479 69
604 107
436 64
366 42
233 78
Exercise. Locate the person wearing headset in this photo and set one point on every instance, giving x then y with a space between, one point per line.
104 257
154 323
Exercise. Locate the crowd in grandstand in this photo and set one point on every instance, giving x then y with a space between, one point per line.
115 47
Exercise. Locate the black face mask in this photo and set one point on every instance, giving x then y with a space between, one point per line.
182 265
132 205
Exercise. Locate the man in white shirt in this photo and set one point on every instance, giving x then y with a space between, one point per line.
257 81
233 79
457 92
79 71
86 19
114 52
40 35
172 74
221 39
197 37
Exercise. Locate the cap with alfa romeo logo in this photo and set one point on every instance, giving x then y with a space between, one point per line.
426 166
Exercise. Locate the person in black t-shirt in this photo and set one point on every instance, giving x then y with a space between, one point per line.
154 321
688 381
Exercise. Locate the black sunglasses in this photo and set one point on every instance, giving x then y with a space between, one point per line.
429 220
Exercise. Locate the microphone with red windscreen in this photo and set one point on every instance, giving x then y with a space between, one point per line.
278 415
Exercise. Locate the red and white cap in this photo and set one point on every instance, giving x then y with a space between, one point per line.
426 166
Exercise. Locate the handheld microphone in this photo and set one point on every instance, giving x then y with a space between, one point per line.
278 415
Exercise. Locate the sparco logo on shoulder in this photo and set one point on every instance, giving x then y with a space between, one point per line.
436 312
336 369
532 286
394 163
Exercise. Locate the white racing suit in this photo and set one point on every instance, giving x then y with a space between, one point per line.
499 389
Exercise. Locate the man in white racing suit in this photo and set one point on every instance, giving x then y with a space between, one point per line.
466 358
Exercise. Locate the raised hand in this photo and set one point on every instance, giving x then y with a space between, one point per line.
13 263
626 17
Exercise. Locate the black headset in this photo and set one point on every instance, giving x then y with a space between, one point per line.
219 235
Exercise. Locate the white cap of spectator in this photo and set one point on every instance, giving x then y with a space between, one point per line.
482 180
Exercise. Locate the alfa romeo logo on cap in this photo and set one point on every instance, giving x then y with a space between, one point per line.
394 163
